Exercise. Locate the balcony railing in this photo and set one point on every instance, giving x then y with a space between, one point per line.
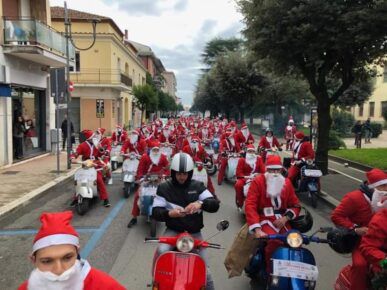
101 76
27 32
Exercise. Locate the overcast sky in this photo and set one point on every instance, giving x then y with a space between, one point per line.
176 30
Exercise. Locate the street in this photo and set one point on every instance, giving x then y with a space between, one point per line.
109 245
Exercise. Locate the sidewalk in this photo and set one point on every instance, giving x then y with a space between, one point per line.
380 142
21 182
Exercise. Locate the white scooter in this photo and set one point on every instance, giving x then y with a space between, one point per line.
115 156
200 173
129 171
85 180
232 163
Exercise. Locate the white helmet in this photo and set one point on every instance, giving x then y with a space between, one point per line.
182 162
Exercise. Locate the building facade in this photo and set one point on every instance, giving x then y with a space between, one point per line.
170 86
29 47
377 103
104 75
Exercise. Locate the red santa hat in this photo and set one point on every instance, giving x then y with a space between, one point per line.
195 138
118 126
101 130
250 147
154 144
88 134
136 131
376 177
299 135
273 162
55 230
244 126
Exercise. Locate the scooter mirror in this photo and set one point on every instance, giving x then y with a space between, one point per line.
222 225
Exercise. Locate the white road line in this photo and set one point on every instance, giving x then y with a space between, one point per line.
329 198
349 166
344 174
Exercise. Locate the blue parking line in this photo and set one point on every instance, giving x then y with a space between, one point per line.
97 235
32 232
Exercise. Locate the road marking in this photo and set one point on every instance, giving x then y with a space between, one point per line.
32 232
344 174
329 198
93 241
353 168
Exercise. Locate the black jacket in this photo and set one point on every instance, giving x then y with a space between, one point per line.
171 193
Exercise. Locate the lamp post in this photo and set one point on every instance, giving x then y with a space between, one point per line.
68 37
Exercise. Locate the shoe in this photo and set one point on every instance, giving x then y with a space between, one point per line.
132 222
106 203
74 203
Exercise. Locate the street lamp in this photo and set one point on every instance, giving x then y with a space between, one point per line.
68 37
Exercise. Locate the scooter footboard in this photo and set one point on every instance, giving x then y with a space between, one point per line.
293 269
176 271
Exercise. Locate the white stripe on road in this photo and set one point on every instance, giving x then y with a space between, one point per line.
344 174
361 171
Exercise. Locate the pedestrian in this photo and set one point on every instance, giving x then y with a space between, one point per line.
357 130
55 255
367 131
64 132
18 135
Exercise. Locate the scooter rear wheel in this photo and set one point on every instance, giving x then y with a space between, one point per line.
153 226
126 189
313 198
212 170
83 206
114 165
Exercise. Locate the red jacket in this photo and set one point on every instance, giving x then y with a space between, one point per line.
171 139
121 139
145 166
374 243
354 209
257 199
139 147
201 154
105 142
225 145
244 169
265 144
289 132
242 139
304 150
95 280
88 151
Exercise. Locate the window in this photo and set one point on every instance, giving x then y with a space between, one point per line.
383 108
372 109
361 108
77 62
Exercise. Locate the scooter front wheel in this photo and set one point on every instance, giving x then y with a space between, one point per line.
313 198
212 170
114 165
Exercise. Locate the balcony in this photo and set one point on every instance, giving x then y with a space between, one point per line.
91 77
34 41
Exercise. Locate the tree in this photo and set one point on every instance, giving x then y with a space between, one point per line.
322 40
179 107
217 47
145 98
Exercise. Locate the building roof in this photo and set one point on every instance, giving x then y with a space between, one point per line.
144 50
57 13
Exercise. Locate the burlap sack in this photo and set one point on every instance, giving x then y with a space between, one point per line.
240 252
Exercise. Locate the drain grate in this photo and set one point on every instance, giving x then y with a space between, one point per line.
10 172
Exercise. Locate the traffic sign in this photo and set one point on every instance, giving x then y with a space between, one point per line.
100 108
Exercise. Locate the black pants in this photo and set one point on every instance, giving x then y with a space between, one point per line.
64 142
18 145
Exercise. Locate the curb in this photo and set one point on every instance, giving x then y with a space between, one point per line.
350 163
30 196
25 161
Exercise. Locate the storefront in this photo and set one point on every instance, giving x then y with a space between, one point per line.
28 121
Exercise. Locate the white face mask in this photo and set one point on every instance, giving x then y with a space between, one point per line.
133 138
69 279
377 197
250 156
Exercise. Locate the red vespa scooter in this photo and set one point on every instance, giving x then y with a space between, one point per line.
182 268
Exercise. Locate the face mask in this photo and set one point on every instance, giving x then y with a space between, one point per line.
133 138
95 141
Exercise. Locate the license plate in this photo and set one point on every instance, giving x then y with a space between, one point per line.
295 269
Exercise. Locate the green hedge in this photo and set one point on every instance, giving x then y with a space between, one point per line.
376 129
335 142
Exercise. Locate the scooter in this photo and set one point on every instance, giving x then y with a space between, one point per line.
129 171
210 165
85 180
115 156
182 268
246 187
309 180
293 267
147 194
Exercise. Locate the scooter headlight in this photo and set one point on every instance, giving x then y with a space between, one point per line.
185 244
294 239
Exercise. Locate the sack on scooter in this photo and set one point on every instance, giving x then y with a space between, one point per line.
243 247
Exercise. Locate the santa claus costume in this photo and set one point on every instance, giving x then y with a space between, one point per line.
134 144
119 135
250 165
268 142
270 197
89 150
228 144
355 211
57 230
244 137
156 163
302 150
290 130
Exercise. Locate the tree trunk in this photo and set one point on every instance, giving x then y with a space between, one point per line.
324 126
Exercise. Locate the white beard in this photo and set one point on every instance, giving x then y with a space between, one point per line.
204 133
166 134
232 141
376 202
155 158
250 160
37 280
289 128
274 184
245 133
270 140
133 139
195 147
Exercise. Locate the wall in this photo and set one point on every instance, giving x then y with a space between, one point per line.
5 130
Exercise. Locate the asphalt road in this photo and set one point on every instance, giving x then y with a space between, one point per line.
110 246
